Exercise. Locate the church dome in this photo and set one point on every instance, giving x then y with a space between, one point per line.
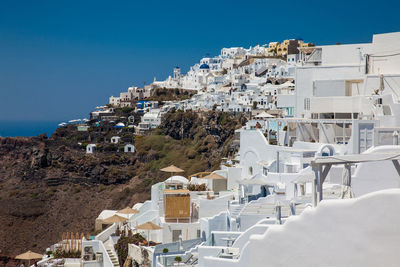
204 66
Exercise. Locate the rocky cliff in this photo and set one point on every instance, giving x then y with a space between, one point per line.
50 185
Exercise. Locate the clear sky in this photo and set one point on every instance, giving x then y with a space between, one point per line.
60 59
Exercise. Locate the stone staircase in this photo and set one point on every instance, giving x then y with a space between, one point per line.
111 253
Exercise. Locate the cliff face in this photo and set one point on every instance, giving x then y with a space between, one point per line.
50 185
47 188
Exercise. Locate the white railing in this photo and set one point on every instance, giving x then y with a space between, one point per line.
103 236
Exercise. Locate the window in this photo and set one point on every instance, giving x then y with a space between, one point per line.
265 171
198 233
251 170
306 103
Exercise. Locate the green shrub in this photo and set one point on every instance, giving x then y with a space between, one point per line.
59 254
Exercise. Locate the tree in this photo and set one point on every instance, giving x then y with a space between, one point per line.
178 259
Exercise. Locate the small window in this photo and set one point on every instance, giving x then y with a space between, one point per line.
265 171
306 103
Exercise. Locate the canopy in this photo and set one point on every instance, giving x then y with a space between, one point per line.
115 219
128 210
171 168
148 226
264 115
29 255
214 176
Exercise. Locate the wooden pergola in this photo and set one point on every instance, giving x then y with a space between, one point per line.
322 165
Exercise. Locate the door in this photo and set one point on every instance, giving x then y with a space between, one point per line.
175 235
366 135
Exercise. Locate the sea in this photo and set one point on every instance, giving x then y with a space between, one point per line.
27 128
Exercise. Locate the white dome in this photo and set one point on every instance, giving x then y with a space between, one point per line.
120 124
177 179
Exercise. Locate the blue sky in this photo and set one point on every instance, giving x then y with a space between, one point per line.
59 59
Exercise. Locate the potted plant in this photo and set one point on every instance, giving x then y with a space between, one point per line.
178 259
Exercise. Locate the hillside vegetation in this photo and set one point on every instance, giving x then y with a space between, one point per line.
50 185
164 94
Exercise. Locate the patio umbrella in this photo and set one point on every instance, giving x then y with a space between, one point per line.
128 210
214 176
264 115
115 219
171 169
29 255
149 226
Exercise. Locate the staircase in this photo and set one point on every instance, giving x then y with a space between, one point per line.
235 210
111 253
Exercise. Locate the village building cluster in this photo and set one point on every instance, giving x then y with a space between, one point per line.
316 175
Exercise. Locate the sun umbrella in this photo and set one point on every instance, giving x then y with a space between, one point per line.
171 169
128 210
214 176
115 219
264 115
149 226
29 255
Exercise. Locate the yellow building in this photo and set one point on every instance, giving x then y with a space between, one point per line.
303 44
282 48
287 47
272 48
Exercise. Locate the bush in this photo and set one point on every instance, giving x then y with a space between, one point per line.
60 254
197 187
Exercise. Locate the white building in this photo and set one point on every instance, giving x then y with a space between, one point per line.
129 148
115 139
90 148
